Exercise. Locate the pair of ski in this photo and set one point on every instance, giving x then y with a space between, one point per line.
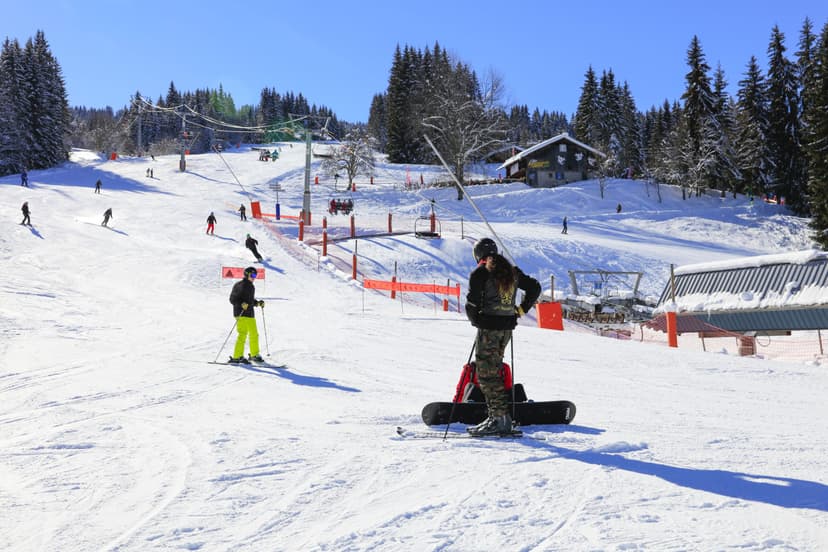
413 434
252 363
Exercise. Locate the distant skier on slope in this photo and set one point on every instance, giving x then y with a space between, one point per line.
211 222
251 244
107 216
25 209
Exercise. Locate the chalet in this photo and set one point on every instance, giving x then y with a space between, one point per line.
773 294
553 162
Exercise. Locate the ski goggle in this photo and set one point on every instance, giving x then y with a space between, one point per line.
253 275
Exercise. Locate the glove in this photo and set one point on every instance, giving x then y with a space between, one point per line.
519 311
260 303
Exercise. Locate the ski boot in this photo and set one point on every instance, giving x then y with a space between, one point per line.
498 425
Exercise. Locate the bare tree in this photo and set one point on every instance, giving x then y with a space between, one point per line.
353 156
468 121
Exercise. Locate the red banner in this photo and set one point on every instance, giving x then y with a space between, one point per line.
238 272
406 286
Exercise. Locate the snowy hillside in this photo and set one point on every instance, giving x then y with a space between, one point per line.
118 434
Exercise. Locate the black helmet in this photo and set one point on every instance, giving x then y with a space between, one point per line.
484 248
249 270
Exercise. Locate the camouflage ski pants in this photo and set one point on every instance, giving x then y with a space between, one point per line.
490 347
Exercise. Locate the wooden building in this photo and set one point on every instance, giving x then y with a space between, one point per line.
553 162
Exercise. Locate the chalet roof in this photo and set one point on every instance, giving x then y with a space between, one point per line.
562 137
767 292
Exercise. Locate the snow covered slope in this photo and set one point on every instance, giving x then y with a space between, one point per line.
117 434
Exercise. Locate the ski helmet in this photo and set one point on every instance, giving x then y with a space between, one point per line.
249 270
484 248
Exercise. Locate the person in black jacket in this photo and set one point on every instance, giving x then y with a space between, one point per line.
243 299
491 308
26 218
107 216
211 223
251 244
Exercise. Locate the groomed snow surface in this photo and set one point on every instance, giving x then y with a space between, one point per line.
116 433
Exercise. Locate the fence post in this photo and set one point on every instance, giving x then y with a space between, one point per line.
353 227
389 224
354 263
301 230
672 334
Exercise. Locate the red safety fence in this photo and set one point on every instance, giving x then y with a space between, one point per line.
238 272
384 285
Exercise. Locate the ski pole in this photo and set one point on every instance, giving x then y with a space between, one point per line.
235 323
512 349
264 325
465 371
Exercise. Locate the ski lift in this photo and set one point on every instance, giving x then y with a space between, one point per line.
340 205
427 227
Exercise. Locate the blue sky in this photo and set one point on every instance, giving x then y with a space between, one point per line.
338 53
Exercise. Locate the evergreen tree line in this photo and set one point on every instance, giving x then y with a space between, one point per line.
34 111
209 117
416 93
770 139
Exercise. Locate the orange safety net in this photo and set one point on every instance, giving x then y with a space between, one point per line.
407 286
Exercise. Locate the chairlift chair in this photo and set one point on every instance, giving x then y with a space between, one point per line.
422 228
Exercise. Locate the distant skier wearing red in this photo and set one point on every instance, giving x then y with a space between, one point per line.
211 223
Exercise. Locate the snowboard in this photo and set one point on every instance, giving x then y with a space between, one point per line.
524 413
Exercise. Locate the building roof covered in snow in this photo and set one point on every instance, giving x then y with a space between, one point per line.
563 136
782 292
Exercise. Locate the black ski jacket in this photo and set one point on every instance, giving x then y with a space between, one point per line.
243 292
487 309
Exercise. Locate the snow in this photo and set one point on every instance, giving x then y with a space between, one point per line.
117 433
795 257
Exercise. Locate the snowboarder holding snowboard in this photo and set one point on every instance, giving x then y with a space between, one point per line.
211 222
25 209
491 308
243 299
251 244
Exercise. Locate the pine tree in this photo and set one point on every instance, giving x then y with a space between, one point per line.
377 121
586 123
751 121
783 124
816 142
805 72
699 112
402 132
13 156
724 171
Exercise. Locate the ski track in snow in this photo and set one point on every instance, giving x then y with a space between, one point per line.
118 435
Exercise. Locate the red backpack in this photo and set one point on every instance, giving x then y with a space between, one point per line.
468 388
